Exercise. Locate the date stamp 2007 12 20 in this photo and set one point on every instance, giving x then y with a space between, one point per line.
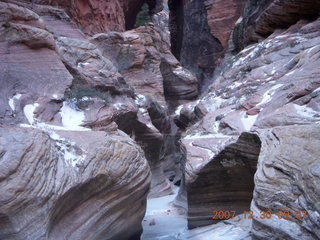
224 215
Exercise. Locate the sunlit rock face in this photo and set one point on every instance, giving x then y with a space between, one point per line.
271 84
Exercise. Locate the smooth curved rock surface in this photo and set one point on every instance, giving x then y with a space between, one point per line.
92 183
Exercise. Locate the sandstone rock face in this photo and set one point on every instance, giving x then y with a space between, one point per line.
274 83
212 22
287 179
91 87
96 16
262 18
147 64
51 180
57 79
225 183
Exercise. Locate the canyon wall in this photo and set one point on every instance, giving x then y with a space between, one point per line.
69 105
96 16
200 31
269 89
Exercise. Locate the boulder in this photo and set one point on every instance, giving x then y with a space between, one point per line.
92 183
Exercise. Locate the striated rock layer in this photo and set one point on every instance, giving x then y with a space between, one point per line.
95 16
288 179
225 183
271 84
77 179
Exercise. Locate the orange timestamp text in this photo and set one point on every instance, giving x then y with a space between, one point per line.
224 215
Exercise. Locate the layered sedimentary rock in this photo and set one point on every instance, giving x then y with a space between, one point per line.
262 18
287 184
55 79
212 22
147 64
89 86
223 184
269 84
95 16
53 179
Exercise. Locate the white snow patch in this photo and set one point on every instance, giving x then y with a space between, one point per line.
12 101
140 99
248 121
178 110
82 64
235 85
68 150
199 136
85 98
289 73
118 106
305 111
71 118
180 71
317 89
29 112
216 103
143 111
267 96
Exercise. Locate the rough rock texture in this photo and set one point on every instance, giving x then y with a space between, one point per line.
96 16
212 22
287 179
77 179
272 83
262 18
147 64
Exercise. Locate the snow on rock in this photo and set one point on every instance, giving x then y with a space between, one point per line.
140 99
306 112
68 150
71 118
248 121
29 112
267 96
199 136
12 101
178 110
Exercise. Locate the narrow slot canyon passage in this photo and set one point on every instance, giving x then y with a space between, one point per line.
159 119
225 184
